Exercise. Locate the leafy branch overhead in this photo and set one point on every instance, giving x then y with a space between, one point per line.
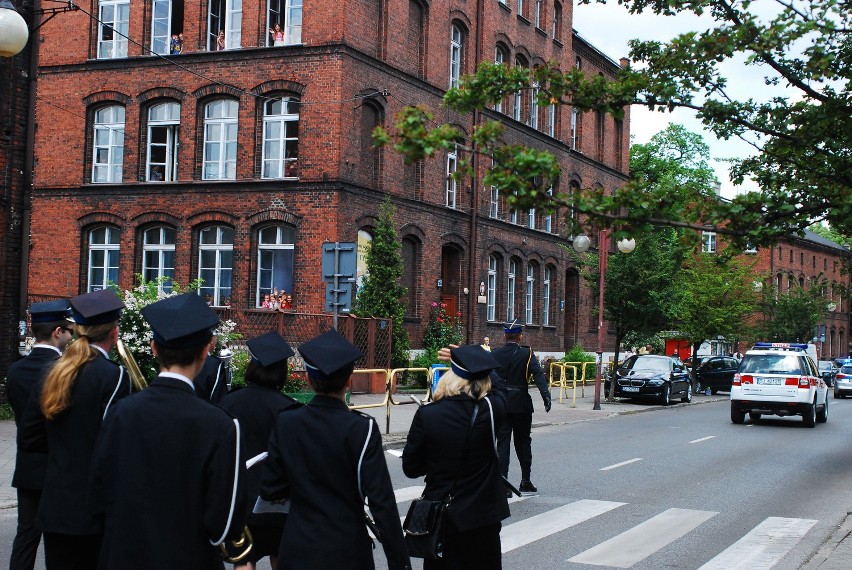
802 139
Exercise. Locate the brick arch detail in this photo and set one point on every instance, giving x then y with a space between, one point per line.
460 17
274 216
495 246
217 89
278 85
412 230
211 216
367 221
161 93
523 52
106 96
502 38
454 239
374 96
101 218
536 257
156 218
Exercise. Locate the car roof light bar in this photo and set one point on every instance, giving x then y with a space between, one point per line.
794 345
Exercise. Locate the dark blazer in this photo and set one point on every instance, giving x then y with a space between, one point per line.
517 363
71 437
168 479
436 448
256 407
21 381
314 457
211 384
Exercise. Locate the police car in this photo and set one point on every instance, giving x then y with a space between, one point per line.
779 379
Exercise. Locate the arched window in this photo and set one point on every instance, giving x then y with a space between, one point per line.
411 263
103 258
415 45
545 296
113 28
158 256
220 140
510 291
108 151
456 54
163 127
216 264
491 291
370 156
275 257
501 57
452 184
288 15
517 110
281 137
530 292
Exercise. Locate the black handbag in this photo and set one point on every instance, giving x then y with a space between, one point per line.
426 521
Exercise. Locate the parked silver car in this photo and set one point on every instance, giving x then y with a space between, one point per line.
843 382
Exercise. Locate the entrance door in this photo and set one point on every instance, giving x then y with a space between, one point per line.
451 278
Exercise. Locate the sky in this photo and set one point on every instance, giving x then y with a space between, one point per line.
609 27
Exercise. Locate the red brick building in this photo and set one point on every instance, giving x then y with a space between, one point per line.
235 165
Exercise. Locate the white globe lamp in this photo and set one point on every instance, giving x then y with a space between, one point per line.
626 245
13 30
582 243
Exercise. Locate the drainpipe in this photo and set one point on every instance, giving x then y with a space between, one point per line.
473 252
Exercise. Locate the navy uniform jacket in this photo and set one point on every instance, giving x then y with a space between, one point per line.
168 479
21 380
211 383
71 437
314 457
435 448
517 363
256 407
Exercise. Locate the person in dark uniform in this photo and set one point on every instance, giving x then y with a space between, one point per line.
517 364
460 458
211 384
329 461
256 406
52 328
77 393
169 468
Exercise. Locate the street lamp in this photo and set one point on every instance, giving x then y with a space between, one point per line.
581 244
13 30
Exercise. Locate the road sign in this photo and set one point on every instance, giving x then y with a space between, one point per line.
342 296
339 259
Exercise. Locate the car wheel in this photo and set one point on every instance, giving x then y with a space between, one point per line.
754 416
667 395
737 415
809 414
688 397
822 414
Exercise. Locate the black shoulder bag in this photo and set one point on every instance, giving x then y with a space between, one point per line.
426 521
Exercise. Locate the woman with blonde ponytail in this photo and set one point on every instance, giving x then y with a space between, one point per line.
75 397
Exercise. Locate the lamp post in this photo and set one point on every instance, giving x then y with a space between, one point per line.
581 245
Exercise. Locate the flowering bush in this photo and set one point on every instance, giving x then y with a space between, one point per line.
135 332
296 379
442 328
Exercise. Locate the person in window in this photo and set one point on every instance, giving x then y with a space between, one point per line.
176 44
220 41
266 302
277 35
156 174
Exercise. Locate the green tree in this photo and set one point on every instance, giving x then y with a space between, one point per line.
801 137
381 293
792 316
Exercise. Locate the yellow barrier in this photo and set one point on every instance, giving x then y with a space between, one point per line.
562 382
388 400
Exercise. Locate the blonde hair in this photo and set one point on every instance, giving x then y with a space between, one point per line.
452 384
56 394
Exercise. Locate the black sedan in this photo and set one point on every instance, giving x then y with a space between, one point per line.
661 378
717 373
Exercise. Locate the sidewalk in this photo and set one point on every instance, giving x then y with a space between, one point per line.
834 554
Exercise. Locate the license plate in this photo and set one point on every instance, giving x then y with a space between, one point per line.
769 381
630 389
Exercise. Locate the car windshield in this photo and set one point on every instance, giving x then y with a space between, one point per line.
847 369
825 366
771 364
645 363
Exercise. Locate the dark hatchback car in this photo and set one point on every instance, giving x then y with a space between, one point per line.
717 373
650 376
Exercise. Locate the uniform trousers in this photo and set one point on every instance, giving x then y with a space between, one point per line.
25 545
71 551
477 549
517 426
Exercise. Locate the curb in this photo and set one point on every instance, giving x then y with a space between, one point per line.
828 548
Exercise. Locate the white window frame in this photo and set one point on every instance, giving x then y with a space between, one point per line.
285 238
491 290
289 18
708 242
530 294
170 123
551 121
513 216
159 248
451 194
500 59
531 219
494 205
107 245
556 21
575 116
545 301
108 145
456 54
510 291
288 138
548 219
520 7
113 20
533 122
232 14
220 152
538 13
220 245
161 26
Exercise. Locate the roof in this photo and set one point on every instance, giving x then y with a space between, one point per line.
818 239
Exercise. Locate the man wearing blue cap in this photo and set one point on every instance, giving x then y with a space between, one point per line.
517 364
167 476
52 327
329 461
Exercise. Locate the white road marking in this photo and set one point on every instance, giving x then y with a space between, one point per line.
628 462
395 452
763 547
408 493
702 439
553 521
629 547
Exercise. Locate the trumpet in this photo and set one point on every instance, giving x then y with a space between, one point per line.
136 376
235 550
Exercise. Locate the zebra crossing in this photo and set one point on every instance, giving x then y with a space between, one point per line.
761 547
